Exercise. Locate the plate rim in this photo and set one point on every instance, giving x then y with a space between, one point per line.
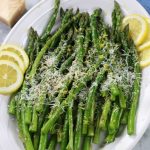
41 3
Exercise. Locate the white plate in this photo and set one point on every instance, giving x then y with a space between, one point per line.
38 17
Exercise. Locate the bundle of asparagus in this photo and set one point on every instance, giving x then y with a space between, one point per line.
83 79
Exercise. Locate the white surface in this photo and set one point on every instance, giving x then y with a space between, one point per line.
8 130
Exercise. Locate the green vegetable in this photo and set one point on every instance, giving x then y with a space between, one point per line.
134 101
53 142
43 141
78 129
26 135
51 22
87 144
104 116
65 135
71 134
12 105
96 138
89 115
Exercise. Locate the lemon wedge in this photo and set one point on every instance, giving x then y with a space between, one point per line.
145 58
11 77
138 27
8 55
19 51
146 44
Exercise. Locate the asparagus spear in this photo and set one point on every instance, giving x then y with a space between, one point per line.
67 16
122 99
36 142
59 129
87 145
78 129
113 119
31 40
117 17
84 20
43 141
65 135
87 41
114 91
33 125
93 24
124 119
135 97
125 45
119 118
71 136
96 137
26 135
62 13
18 116
110 138
88 116
51 22
28 112
104 116
91 122
12 105
53 142
67 63
116 119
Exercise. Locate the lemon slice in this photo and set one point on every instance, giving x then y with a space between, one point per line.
146 43
145 58
138 27
144 46
11 77
7 55
19 51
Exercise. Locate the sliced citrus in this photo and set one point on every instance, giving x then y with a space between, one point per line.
8 55
145 58
146 44
138 27
19 51
11 77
